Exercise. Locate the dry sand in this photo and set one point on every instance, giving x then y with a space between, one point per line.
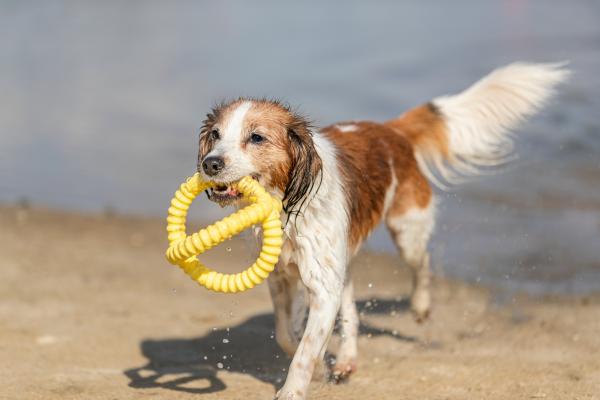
89 309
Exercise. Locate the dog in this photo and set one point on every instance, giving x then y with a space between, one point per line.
339 182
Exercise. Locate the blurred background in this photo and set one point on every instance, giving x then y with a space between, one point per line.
102 102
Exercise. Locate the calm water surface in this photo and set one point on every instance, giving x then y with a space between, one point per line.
101 104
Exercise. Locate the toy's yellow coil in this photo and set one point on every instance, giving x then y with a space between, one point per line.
183 249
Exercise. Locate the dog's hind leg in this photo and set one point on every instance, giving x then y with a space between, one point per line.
411 230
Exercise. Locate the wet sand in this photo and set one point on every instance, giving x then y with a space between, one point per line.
90 310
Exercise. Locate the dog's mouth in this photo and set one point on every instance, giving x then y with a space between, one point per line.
225 194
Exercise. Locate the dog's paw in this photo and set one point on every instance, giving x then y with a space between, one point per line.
420 304
341 371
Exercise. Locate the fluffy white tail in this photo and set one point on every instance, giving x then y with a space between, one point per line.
474 127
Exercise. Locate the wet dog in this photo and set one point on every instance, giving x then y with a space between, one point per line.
338 183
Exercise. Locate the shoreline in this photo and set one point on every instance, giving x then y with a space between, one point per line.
21 209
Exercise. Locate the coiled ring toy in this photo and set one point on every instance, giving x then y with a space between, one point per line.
183 249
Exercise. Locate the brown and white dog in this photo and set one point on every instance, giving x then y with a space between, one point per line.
338 183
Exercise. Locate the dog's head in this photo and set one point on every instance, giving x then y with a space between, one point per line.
262 139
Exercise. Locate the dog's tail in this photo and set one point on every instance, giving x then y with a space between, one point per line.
462 135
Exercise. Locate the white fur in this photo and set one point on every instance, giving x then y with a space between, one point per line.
238 163
479 120
347 127
349 323
390 193
317 242
411 232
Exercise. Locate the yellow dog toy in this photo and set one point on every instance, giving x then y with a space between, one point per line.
183 249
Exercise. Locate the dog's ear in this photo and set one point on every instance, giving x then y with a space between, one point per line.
305 167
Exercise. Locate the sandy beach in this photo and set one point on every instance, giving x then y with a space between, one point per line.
91 310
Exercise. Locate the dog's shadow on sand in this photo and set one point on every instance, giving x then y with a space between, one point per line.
191 365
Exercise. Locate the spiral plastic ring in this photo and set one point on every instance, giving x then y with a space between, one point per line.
183 249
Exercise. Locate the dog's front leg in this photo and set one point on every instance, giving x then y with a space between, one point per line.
323 278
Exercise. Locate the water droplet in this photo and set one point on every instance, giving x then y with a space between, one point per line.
370 285
205 358
225 341
220 365
225 357
228 249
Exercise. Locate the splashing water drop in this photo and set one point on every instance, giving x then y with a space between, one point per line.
220 365
225 341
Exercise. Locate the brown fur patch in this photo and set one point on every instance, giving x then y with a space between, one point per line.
368 157
272 157
424 128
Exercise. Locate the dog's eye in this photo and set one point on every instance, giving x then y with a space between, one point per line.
256 138
214 134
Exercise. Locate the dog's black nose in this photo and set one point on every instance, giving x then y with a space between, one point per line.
213 165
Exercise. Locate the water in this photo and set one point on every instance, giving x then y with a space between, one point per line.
101 105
